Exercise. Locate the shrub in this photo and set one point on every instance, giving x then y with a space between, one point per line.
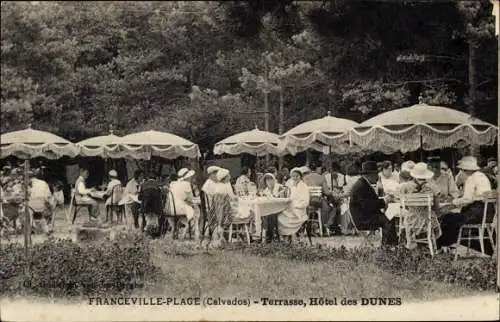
64 268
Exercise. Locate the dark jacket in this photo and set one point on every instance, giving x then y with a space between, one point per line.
365 206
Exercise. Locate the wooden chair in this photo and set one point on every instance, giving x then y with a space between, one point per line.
115 206
314 210
414 203
76 208
486 226
239 226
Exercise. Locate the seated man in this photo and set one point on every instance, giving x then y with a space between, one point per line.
475 188
41 202
83 195
366 207
328 211
151 198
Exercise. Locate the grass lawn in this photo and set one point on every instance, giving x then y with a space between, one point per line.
233 273
230 274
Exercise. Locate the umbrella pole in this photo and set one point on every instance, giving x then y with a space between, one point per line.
421 149
27 219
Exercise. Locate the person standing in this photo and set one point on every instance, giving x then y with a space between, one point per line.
132 193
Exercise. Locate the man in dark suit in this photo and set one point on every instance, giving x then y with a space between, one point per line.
366 206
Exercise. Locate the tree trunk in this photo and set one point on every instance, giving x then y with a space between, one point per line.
266 106
281 122
474 150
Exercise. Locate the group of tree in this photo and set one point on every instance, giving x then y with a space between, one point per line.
206 70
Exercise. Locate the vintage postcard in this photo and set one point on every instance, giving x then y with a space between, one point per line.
249 160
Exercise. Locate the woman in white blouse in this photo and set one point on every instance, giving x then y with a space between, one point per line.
272 187
290 220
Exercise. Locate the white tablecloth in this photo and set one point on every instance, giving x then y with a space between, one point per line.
263 206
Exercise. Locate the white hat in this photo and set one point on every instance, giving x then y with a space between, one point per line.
468 163
182 172
407 166
113 173
213 168
305 169
222 173
420 171
299 170
185 173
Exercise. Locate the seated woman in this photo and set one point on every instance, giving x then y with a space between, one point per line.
243 182
272 187
416 219
292 219
388 180
182 193
275 190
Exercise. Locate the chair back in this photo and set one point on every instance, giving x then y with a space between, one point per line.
116 195
417 200
316 191
490 198
170 209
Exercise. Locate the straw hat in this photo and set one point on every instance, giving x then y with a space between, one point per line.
113 173
213 168
305 170
185 173
298 170
407 165
468 163
222 173
420 171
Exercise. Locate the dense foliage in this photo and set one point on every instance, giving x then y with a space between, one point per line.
201 69
476 273
64 268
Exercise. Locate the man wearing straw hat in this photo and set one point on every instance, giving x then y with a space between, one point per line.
476 186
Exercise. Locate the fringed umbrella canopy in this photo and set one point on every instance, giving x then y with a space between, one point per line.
422 126
255 142
30 143
143 145
327 134
104 146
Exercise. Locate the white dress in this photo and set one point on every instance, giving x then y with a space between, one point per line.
181 191
290 220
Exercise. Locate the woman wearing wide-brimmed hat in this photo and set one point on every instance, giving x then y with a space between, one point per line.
476 187
182 202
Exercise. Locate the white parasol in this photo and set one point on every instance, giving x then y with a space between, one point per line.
254 142
422 126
